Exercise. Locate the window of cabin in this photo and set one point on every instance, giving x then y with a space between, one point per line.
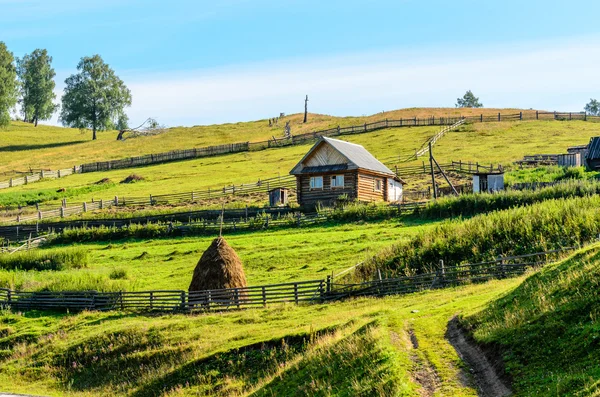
337 181
378 185
316 182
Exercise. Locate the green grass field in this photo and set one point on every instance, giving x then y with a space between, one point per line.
484 143
24 146
360 347
545 325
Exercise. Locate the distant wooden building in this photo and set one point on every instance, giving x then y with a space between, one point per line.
333 168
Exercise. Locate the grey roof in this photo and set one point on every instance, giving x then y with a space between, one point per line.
357 156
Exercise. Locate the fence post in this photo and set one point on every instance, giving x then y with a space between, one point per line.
570 117
264 296
321 291
40 215
296 292
84 207
500 261
26 179
537 115
193 196
585 116
101 204
386 123
62 212
498 116
121 299
9 297
42 174
182 300
442 272
365 126
328 287
151 300
151 200
116 200
521 116
10 182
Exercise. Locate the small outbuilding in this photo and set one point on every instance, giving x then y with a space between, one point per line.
488 182
592 157
334 168
279 197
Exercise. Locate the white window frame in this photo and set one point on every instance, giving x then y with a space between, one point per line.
377 182
314 185
337 181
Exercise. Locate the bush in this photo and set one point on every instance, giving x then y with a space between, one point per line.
545 226
73 258
471 204
118 274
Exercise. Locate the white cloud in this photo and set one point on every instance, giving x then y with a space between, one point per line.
559 75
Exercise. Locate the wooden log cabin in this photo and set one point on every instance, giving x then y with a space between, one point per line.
334 168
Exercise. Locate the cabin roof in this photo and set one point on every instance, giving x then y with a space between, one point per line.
358 158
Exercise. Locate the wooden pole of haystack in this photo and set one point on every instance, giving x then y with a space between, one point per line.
222 216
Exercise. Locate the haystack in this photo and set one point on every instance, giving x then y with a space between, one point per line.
218 268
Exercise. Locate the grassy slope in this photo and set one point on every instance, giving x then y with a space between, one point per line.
121 353
548 329
487 143
269 257
25 146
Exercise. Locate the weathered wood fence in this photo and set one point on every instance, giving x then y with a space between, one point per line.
314 291
30 178
185 154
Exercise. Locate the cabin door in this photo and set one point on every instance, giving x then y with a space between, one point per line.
394 190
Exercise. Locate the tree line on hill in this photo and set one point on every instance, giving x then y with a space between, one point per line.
94 97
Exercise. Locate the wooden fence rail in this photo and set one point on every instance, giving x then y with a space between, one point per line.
185 154
316 291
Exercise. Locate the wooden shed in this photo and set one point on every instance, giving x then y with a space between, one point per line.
334 168
592 157
488 182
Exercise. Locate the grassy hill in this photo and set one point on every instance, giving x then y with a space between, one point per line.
548 329
361 347
25 146
485 143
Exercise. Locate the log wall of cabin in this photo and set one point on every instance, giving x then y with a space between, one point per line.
366 187
306 196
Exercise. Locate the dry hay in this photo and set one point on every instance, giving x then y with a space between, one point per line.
133 178
218 268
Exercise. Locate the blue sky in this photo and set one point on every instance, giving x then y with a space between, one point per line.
199 62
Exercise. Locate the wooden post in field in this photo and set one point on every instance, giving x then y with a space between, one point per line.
498 116
305 109
442 272
84 207
432 173
182 300
537 115
296 293
264 296
521 116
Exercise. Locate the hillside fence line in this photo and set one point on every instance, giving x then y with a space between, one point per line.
66 209
313 291
186 154
203 222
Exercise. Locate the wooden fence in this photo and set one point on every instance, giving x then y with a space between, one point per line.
185 154
36 213
30 178
314 291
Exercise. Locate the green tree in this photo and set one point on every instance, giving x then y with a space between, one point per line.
95 97
37 86
8 84
468 101
593 107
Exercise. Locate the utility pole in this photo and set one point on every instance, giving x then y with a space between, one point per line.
432 173
305 109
